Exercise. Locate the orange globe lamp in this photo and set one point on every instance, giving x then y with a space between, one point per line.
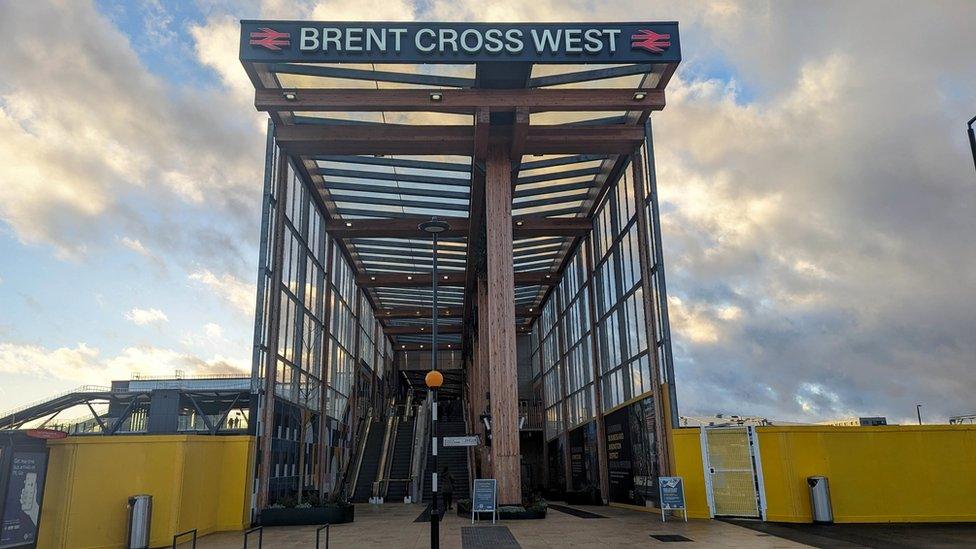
434 379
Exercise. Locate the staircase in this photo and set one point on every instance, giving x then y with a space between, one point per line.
400 465
370 464
455 459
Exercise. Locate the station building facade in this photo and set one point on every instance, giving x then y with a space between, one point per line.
533 143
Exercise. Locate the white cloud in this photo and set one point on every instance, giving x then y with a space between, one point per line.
91 141
232 290
86 365
142 317
213 331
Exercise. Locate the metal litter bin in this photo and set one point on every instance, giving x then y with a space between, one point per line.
820 506
140 516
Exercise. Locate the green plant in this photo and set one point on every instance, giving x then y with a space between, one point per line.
537 505
464 505
288 501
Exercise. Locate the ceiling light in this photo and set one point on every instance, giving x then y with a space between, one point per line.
374 278
519 223
434 226
640 96
436 96
348 223
409 277
290 96
445 277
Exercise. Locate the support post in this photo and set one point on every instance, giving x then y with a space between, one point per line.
601 429
484 384
647 264
274 321
500 330
323 457
661 286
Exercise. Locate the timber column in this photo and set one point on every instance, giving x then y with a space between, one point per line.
499 333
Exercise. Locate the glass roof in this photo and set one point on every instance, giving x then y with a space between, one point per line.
421 186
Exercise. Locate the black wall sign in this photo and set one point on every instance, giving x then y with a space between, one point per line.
631 453
397 42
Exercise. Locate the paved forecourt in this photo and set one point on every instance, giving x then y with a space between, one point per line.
393 525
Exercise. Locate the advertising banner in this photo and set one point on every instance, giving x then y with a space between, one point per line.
631 454
22 504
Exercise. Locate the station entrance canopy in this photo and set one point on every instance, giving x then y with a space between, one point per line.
513 134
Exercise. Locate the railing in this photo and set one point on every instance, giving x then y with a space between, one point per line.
319 531
418 461
187 533
533 413
81 389
386 461
260 531
363 433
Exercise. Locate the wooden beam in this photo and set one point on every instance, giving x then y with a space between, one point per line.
421 330
499 332
476 223
399 313
423 347
412 280
349 139
393 228
524 227
465 101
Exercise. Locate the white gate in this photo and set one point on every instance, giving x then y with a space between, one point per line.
733 472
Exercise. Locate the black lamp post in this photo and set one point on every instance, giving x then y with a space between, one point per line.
972 138
434 379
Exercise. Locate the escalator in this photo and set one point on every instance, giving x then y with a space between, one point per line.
399 484
369 466
454 458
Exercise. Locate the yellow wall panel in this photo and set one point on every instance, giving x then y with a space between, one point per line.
877 474
196 481
686 449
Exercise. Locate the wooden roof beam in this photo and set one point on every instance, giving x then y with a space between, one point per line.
414 280
456 140
400 313
464 101
524 227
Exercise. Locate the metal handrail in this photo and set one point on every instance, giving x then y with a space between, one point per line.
383 471
360 450
260 531
79 389
319 531
418 462
181 534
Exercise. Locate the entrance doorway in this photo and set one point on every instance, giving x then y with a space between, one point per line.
733 472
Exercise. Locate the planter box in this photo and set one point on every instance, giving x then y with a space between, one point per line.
336 514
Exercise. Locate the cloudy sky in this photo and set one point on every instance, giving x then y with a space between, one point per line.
818 196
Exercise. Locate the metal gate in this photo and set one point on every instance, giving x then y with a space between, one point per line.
733 472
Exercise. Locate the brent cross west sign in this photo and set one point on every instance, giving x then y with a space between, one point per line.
331 42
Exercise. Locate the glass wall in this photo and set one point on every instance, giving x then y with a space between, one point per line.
325 325
610 331
621 329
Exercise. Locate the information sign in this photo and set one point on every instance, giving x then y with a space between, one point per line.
466 440
483 498
672 492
